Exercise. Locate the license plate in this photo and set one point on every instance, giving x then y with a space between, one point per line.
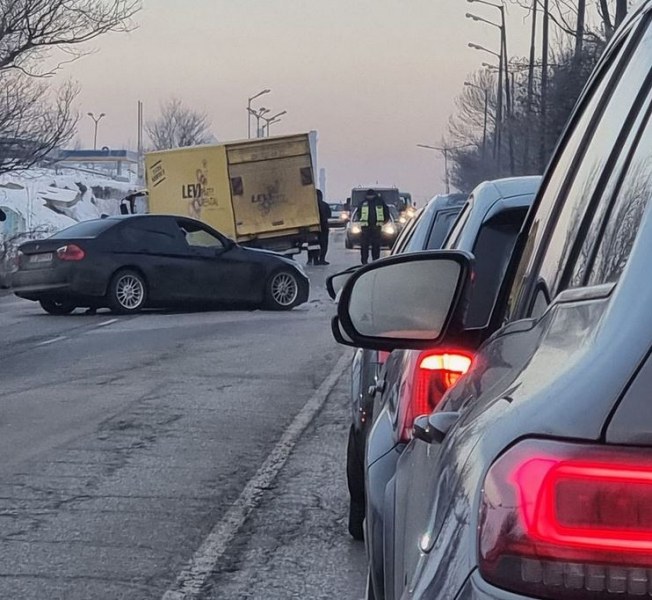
41 258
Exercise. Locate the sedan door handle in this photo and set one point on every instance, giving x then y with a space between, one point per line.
433 428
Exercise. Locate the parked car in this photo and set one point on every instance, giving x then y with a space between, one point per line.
426 231
389 232
129 263
339 215
412 383
531 479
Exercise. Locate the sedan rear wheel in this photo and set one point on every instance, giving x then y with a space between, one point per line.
57 307
127 292
282 291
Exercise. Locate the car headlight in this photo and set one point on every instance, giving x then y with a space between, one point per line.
389 229
410 212
402 219
356 229
345 216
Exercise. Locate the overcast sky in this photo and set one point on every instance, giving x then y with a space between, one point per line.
373 77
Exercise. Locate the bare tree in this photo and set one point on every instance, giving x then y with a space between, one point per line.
31 124
31 30
178 126
35 120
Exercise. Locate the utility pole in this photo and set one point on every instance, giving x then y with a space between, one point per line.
140 143
530 82
579 31
543 151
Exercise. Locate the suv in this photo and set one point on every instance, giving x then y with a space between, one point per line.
426 231
532 478
412 383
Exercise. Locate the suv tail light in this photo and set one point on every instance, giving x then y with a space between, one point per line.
568 521
71 252
435 373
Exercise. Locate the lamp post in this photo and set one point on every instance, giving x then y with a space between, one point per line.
499 103
271 120
504 64
250 112
445 150
96 120
486 110
259 115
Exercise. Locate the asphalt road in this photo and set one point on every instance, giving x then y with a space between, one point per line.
140 454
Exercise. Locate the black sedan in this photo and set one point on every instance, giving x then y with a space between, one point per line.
128 263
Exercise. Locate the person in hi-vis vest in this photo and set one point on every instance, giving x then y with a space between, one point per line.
373 213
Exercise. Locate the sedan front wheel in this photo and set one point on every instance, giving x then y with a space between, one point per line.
282 291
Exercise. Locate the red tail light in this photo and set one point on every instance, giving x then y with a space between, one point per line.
567 521
70 252
434 374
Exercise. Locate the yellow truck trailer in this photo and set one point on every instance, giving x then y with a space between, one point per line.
259 192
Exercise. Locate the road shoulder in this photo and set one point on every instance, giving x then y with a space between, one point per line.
296 544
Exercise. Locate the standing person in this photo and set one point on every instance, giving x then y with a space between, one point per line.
374 213
324 214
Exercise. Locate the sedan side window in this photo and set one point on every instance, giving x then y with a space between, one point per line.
198 237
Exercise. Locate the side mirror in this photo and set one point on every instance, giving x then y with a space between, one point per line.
335 283
405 301
339 335
434 428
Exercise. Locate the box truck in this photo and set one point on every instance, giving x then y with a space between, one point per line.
259 192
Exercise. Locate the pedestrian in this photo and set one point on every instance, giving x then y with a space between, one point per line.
373 214
324 214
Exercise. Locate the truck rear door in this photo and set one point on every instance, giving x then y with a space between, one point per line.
272 186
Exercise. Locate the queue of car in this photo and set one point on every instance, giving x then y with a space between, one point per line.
529 472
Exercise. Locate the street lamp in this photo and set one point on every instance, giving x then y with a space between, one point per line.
250 112
504 63
271 120
486 109
445 150
96 120
499 101
259 115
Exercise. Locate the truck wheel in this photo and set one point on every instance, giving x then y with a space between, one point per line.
355 481
282 290
57 307
127 292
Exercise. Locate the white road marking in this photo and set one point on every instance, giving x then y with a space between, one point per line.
194 576
109 322
53 341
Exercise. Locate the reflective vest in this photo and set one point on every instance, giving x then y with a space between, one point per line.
364 215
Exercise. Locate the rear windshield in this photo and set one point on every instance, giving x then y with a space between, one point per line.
85 229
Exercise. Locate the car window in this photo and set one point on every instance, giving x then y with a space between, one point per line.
406 234
460 223
626 214
604 146
198 237
442 225
492 251
519 299
156 235
86 229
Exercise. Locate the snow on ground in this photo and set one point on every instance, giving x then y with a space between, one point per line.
42 201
